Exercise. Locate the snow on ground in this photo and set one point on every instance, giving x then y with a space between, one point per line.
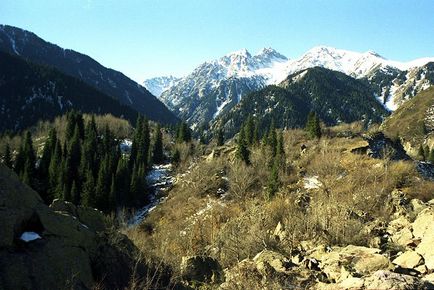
29 236
125 145
159 179
312 182
220 108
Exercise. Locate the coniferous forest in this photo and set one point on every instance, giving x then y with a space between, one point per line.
88 168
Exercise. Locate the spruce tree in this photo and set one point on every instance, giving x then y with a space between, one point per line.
183 133
102 189
313 126
44 165
54 172
272 139
122 184
249 129
88 190
75 194
220 137
273 180
157 152
28 158
243 152
7 157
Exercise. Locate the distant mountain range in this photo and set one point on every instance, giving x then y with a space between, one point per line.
215 87
112 83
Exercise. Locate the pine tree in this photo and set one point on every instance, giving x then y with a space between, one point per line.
72 162
157 152
7 157
249 128
421 153
272 139
137 185
280 144
28 158
54 172
88 190
176 157
273 180
243 152
313 126
220 137
75 194
122 184
183 133
19 160
102 189
44 165
256 134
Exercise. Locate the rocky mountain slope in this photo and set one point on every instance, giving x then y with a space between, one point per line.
334 96
160 84
112 83
413 122
32 92
216 86
61 246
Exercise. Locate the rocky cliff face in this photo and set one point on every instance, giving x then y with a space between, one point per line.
62 247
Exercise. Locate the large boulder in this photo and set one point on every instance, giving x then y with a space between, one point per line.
352 259
45 249
90 217
409 259
201 269
389 280
276 261
424 223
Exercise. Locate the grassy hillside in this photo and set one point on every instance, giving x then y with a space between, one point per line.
411 121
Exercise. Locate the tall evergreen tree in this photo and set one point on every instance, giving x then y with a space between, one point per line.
313 126
273 180
102 189
44 165
54 172
157 152
183 133
88 197
220 137
7 156
272 139
243 152
249 129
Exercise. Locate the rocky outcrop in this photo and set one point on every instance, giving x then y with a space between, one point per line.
62 247
380 146
201 269
404 258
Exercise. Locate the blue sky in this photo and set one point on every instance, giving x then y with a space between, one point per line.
144 38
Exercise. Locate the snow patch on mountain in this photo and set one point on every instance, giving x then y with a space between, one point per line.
160 84
217 85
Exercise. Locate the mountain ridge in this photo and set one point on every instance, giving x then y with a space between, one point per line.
205 82
28 45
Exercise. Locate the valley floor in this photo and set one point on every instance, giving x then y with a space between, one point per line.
340 219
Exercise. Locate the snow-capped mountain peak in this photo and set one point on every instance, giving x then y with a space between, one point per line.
160 84
217 85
